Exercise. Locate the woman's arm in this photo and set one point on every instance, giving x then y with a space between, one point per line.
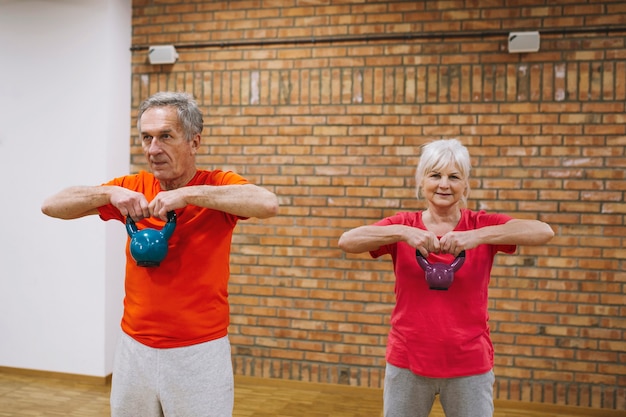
369 238
514 232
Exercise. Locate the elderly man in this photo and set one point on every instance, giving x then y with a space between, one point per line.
173 357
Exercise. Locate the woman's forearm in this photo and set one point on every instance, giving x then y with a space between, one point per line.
517 232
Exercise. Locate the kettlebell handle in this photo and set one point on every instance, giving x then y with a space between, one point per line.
458 257
131 227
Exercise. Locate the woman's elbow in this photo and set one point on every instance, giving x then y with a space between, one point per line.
544 234
342 244
348 245
549 233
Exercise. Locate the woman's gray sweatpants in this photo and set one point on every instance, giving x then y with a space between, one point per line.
410 395
192 381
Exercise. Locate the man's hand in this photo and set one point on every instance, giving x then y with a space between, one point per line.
167 201
129 203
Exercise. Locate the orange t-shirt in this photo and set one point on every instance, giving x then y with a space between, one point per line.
184 301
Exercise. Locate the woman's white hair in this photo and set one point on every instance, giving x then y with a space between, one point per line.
437 155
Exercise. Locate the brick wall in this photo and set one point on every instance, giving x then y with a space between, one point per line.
326 103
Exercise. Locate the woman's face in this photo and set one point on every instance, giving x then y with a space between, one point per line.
444 187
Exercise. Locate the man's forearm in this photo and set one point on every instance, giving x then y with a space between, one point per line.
75 202
246 200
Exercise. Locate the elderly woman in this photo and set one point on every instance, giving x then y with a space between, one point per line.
439 342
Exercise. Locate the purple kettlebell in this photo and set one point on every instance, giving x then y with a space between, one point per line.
439 276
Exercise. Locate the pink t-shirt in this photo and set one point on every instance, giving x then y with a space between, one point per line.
442 334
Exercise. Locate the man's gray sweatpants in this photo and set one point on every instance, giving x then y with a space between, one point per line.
192 381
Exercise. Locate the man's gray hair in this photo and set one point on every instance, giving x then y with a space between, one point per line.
189 115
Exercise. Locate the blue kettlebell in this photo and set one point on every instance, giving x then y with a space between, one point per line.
148 247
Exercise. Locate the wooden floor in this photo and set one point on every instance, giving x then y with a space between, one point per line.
31 394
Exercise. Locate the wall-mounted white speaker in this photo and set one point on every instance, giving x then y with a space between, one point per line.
164 54
523 42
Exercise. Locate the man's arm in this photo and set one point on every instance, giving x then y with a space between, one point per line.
79 201
75 202
246 200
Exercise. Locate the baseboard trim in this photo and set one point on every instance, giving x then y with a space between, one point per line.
86 379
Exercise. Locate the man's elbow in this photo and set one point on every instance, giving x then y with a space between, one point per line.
51 210
45 209
269 208
64 213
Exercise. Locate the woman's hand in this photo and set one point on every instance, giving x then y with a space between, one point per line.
456 242
422 240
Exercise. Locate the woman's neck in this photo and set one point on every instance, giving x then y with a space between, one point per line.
449 215
441 222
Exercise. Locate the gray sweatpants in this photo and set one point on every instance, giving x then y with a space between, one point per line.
192 381
409 395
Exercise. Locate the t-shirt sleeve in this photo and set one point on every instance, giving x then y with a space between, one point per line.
110 212
225 178
390 249
494 219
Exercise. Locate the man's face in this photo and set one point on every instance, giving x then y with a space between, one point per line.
170 155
